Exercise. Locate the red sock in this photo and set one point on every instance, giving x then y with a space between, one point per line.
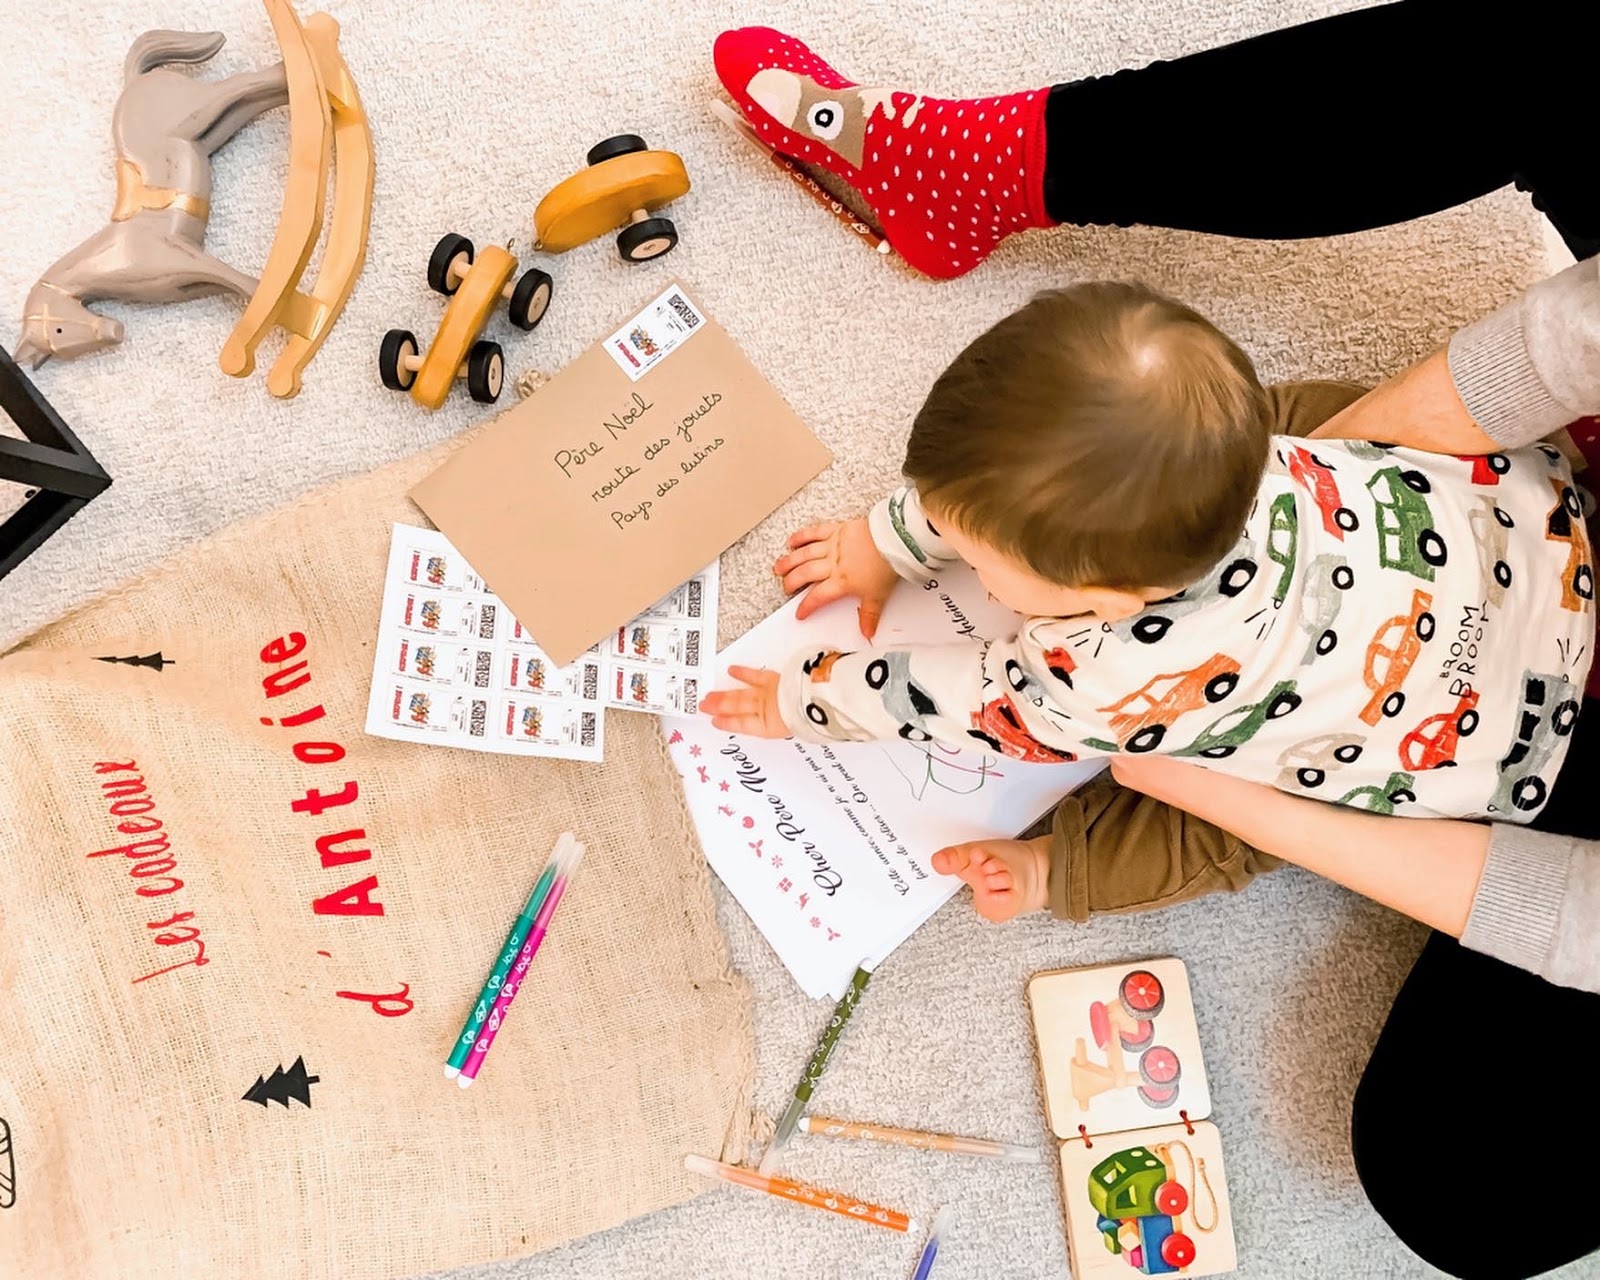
947 178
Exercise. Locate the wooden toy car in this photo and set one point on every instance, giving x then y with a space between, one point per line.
623 186
475 285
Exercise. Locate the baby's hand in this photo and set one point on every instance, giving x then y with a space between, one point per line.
1008 877
752 711
837 559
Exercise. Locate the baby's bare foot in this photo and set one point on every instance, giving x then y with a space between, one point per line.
1008 877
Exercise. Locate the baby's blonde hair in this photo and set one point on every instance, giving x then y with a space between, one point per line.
1103 435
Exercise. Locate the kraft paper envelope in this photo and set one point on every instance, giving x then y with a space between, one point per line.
624 475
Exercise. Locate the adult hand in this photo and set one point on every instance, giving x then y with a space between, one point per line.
835 560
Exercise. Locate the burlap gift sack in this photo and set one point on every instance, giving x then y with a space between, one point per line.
196 906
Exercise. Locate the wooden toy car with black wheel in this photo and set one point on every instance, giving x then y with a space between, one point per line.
476 282
620 190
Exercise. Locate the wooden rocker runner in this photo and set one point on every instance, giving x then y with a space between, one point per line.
166 126
327 129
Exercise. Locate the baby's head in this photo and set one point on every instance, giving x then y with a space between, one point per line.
1092 452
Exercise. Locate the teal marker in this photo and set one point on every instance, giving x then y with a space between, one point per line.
508 957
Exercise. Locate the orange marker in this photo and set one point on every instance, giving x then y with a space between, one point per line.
800 1193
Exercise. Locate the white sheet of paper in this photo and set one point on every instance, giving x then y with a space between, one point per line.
827 846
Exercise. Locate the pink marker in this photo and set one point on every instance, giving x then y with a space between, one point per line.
530 948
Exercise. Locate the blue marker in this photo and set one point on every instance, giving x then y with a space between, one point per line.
930 1251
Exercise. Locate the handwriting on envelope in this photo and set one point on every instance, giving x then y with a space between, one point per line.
628 472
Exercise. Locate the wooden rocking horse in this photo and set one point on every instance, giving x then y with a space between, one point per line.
166 127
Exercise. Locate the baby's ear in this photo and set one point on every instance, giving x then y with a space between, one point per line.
1113 604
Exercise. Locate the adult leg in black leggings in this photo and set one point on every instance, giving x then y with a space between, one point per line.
1360 120
1469 1105
1355 121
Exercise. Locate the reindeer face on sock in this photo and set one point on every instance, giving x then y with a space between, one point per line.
833 118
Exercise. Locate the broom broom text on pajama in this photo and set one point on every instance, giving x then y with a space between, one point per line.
153 866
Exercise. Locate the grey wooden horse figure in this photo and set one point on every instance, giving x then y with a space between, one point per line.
166 127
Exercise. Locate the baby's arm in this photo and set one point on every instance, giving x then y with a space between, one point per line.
905 538
863 558
1002 696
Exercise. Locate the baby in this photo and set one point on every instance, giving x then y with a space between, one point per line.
1394 630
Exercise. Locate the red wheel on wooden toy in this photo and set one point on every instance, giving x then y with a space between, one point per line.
1141 994
1099 1024
1159 1066
1171 1198
1152 1096
1139 1037
1177 1250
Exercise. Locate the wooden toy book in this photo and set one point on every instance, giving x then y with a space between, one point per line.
1125 1093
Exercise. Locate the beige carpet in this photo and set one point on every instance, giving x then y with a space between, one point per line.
478 106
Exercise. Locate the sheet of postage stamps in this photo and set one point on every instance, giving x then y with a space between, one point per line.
454 667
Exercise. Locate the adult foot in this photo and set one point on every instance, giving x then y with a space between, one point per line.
1008 877
947 178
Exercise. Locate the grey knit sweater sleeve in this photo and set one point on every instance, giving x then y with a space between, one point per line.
1534 365
1523 372
1538 905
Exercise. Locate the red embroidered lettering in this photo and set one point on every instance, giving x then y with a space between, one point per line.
333 857
137 849
279 683
153 864
318 752
397 1004
124 787
284 647
352 901
299 718
122 808
315 801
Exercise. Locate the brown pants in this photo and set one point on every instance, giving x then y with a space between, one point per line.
1114 850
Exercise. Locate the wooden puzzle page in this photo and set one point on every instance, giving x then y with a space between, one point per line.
1118 1046
1148 1202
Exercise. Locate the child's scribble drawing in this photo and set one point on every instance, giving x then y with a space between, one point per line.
931 764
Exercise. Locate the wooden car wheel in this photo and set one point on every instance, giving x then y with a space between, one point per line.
1155 1096
622 144
1172 1198
398 345
486 372
449 248
531 298
646 239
